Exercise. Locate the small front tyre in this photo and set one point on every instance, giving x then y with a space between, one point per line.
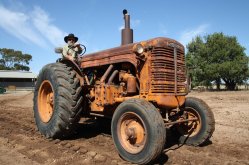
138 131
200 129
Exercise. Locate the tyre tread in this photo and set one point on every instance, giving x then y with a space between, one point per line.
156 121
210 121
69 98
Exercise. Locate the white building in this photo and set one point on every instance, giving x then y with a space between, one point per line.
17 80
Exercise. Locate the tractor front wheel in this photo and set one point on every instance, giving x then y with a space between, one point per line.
201 125
138 131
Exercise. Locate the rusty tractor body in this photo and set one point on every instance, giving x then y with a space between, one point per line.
141 86
159 72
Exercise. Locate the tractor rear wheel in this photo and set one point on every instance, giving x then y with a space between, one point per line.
138 131
57 101
200 129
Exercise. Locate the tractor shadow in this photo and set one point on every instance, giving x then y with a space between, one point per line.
91 128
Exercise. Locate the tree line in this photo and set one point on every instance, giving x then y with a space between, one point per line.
14 60
216 59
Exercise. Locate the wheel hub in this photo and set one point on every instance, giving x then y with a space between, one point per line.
45 101
132 133
192 127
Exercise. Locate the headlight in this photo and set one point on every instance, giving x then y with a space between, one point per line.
138 49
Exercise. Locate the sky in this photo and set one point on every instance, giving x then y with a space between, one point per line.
36 27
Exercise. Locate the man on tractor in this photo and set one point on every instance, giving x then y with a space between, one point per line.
72 49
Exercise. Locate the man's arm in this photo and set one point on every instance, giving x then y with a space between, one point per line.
78 49
65 53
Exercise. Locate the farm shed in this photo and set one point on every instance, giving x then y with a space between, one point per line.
17 80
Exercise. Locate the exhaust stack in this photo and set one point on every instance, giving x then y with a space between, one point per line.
127 32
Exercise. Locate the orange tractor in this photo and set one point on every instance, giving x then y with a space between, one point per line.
141 86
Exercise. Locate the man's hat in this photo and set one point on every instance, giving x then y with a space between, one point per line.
70 36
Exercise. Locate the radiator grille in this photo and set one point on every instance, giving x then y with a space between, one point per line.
163 71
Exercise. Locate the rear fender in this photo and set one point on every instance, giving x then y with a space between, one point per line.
75 67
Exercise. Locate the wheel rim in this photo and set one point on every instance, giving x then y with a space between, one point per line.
45 101
190 128
132 132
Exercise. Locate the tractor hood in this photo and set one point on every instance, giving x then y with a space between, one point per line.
109 56
124 53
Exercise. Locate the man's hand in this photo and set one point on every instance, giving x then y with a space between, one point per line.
77 45
70 58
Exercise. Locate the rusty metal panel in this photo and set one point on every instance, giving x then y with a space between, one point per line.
110 56
105 95
162 78
167 71
167 101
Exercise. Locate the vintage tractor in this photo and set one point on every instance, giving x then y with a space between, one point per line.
141 86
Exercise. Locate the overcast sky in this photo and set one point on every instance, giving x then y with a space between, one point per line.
36 27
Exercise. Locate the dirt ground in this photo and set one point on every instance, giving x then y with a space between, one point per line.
21 143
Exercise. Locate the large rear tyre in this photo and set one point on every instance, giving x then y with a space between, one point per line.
199 131
138 131
57 101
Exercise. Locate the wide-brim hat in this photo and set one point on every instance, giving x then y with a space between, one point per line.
70 36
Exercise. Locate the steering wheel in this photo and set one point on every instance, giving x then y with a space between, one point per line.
83 47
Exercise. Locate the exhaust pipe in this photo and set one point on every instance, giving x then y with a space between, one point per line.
107 72
127 32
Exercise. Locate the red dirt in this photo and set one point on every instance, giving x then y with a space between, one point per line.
21 143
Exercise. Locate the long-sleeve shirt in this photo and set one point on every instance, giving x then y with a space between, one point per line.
67 51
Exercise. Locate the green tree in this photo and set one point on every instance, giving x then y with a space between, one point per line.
217 58
14 60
